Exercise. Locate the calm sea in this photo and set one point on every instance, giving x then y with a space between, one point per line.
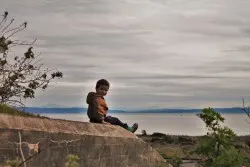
176 124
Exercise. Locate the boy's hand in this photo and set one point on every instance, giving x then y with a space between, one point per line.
104 122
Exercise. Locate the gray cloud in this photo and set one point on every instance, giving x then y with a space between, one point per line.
155 53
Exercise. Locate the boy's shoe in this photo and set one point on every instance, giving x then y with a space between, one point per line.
133 128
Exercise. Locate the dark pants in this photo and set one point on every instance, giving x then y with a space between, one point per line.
115 121
112 121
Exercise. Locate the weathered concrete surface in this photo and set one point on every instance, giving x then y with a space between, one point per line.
97 145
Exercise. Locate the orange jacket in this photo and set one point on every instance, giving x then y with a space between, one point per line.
97 108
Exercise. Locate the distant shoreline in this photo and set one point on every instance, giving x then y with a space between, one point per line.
136 113
40 110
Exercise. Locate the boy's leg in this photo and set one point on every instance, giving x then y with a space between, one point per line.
115 121
94 121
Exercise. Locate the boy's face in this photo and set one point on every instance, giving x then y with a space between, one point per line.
102 90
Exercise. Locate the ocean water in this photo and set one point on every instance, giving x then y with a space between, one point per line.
175 124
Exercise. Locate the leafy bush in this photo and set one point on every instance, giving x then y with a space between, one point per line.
72 161
217 148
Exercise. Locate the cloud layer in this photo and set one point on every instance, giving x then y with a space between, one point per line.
155 53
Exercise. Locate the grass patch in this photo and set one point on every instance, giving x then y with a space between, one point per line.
5 109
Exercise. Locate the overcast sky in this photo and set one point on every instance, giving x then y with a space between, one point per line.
155 53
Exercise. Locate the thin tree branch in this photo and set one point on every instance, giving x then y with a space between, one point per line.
25 43
246 110
20 147
31 156
15 30
3 20
12 20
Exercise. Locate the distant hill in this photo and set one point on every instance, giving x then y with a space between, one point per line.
39 110
72 110
220 110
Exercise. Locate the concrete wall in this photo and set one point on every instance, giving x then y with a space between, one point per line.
97 145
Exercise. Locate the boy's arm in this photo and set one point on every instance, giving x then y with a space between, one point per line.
98 109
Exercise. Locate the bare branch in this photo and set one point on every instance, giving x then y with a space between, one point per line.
245 109
14 30
12 20
25 43
31 156
20 147
4 18
15 102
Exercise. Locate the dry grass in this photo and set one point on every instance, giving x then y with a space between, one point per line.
5 109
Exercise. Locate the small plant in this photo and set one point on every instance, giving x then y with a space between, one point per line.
12 163
217 148
175 161
72 161
144 133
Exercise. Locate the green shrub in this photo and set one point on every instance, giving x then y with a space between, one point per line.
12 163
217 148
72 161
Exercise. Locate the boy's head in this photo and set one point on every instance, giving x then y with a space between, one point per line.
102 87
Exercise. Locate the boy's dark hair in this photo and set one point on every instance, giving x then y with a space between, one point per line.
102 82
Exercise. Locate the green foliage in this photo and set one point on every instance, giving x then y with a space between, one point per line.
211 118
228 158
72 161
217 148
12 163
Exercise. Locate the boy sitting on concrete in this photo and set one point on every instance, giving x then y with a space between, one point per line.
98 109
